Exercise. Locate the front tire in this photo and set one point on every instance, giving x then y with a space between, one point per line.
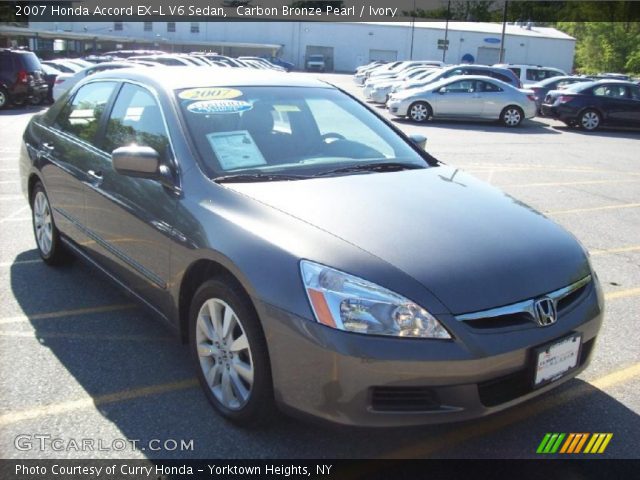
512 116
230 353
419 112
47 236
590 120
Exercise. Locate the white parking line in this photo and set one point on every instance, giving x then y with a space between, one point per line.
14 214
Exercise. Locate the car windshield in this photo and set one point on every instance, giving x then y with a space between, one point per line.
301 131
316 57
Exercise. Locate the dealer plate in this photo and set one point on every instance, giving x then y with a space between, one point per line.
557 359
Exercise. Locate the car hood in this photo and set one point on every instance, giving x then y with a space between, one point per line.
471 245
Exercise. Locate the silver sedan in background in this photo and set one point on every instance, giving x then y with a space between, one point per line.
465 96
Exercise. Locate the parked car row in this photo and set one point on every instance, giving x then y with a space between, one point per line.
26 79
506 92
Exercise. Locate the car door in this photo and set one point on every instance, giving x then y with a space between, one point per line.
67 150
457 99
615 101
131 218
492 97
634 112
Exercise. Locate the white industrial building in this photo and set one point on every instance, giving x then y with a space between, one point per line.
345 45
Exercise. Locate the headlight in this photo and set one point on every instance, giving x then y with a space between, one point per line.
349 303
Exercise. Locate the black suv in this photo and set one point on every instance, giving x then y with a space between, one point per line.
21 78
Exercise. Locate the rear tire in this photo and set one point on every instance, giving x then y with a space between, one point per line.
419 112
590 120
4 98
47 235
230 353
511 116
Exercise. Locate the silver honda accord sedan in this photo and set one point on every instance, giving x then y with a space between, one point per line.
465 96
312 256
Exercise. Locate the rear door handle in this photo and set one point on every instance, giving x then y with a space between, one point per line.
48 146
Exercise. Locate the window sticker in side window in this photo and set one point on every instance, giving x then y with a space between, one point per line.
236 149
209 94
219 106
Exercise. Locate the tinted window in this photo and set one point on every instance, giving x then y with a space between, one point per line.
501 77
136 119
635 93
30 62
516 71
6 63
453 73
81 116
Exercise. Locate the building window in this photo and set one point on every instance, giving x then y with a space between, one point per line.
171 26
195 27
148 26
117 26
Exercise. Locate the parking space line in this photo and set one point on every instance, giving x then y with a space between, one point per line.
20 262
593 209
630 248
7 182
83 336
66 313
632 292
568 184
513 416
89 401
14 214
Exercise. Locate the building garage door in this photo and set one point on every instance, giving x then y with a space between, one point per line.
488 55
383 55
327 52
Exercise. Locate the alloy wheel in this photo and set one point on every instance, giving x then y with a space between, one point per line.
419 112
3 99
224 354
42 223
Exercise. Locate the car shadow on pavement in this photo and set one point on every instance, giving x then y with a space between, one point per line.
608 132
526 128
113 355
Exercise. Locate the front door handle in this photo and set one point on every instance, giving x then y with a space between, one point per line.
95 176
48 146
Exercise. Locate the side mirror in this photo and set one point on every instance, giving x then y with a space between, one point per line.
419 140
442 90
136 161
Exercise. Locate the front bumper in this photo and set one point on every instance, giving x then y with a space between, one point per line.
381 95
337 376
399 108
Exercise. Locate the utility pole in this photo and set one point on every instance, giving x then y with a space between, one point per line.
413 28
504 26
446 33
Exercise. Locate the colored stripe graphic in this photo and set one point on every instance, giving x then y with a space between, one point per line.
573 443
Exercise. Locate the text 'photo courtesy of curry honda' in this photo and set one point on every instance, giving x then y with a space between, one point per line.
313 257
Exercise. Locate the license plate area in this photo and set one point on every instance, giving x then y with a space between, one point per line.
556 359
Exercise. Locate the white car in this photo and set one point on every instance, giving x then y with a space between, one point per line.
64 66
530 74
65 81
465 96
379 91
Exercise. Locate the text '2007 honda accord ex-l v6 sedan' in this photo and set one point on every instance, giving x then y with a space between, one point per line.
311 255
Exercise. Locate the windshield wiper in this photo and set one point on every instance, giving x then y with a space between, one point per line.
371 167
257 177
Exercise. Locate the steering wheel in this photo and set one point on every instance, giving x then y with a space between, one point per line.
330 135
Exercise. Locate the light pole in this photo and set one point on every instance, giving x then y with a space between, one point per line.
413 28
504 26
446 32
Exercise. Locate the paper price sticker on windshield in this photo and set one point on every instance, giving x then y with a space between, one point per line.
219 106
209 94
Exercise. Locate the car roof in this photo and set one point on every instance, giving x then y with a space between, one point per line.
176 78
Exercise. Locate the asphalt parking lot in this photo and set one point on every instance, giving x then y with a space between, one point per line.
79 360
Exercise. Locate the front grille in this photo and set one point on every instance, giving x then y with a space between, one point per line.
509 387
404 399
522 313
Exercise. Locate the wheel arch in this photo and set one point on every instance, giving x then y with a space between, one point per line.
31 185
591 107
422 100
195 275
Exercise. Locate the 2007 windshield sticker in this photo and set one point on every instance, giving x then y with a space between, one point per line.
211 93
219 106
